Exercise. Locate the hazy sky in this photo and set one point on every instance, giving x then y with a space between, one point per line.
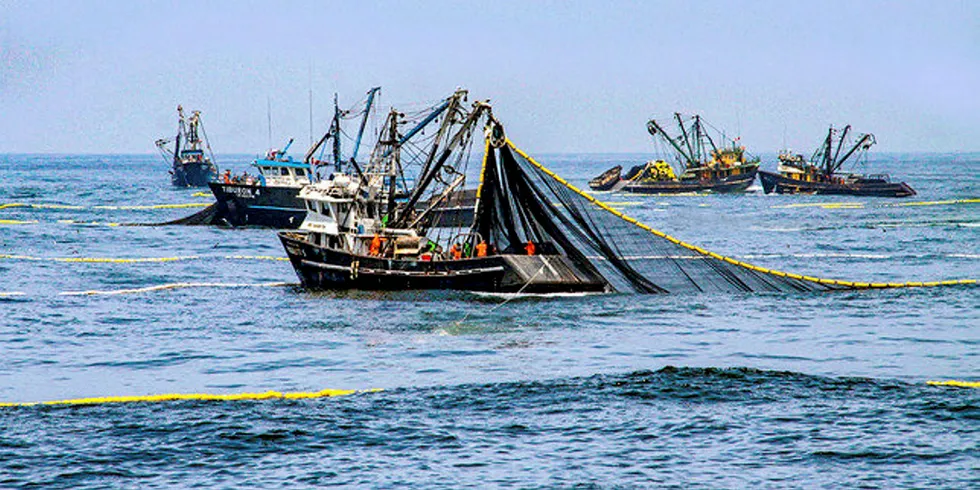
575 76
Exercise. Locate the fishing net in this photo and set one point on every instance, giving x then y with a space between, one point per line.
521 201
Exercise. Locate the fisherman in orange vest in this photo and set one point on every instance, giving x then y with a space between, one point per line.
375 248
226 178
481 249
455 252
530 247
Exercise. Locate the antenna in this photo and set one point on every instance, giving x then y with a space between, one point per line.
311 102
268 115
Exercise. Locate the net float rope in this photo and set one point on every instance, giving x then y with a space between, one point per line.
169 397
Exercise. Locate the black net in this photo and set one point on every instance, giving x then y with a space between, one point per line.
521 201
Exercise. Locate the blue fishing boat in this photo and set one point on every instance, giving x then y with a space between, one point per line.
271 197
191 166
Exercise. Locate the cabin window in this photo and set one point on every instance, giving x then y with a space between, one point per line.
300 172
284 171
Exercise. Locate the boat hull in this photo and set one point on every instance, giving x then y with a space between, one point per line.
193 174
733 183
282 208
772 182
607 180
254 205
320 268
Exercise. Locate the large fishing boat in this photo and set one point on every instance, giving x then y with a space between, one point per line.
822 173
699 165
191 166
357 234
271 198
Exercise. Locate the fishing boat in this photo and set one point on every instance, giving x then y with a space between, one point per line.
822 173
271 197
191 166
699 165
358 235
607 180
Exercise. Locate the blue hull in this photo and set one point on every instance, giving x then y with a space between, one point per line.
193 174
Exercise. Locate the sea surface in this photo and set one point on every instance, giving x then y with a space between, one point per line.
815 390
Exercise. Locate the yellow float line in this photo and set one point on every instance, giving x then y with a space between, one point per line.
158 206
65 206
958 384
825 205
624 203
858 205
137 260
167 397
633 221
935 203
16 222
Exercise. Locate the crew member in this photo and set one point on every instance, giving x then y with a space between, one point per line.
375 248
455 252
481 249
226 178
530 247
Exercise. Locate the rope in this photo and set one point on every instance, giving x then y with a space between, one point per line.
167 397
508 300
138 260
114 208
954 383
176 285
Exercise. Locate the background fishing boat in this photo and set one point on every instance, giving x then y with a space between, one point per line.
191 166
272 199
822 173
696 163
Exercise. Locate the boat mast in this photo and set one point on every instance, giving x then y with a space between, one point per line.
863 143
824 151
335 127
835 164
655 130
455 141
367 111
180 133
389 171
687 142
706 134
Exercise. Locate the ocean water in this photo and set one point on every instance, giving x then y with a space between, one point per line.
621 391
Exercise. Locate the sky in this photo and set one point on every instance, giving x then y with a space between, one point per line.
563 76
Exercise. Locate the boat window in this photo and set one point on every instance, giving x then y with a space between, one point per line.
284 171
